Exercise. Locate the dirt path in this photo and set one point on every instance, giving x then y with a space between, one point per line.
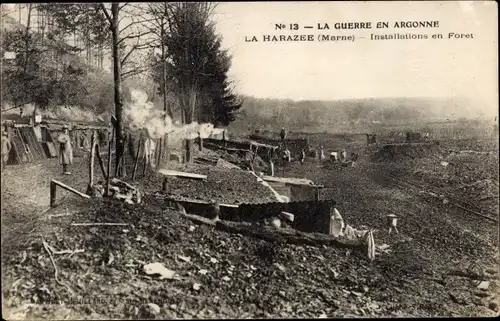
26 196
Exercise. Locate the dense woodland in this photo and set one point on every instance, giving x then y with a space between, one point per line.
55 56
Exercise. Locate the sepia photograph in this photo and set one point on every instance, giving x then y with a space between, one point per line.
249 160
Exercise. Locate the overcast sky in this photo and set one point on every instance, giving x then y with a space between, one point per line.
364 68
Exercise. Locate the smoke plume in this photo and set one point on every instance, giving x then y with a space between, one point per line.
141 116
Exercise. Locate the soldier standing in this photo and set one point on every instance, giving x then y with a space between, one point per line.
6 147
283 134
65 150
321 154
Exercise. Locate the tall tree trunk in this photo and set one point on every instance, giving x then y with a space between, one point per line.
166 108
27 38
118 85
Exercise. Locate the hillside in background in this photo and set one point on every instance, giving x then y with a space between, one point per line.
367 113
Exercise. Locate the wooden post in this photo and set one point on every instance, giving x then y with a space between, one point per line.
146 156
91 159
137 158
111 135
101 162
224 138
166 150
317 193
164 185
188 150
52 194
159 151
200 142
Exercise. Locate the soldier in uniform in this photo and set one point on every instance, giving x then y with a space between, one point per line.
283 133
65 150
6 147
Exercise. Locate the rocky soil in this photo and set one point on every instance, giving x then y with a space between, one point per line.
433 267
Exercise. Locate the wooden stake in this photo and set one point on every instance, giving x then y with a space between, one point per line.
136 158
200 142
159 150
101 162
91 160
146 157
111 135
53 194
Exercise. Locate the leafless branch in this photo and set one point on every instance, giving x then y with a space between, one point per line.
130 52
134 36
143 22
106 13
134 72
123 6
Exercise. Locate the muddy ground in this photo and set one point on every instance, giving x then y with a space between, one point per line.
431 268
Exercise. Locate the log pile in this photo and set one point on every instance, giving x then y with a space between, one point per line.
118 189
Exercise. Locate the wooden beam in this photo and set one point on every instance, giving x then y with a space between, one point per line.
289 180
53 186
92 159
288 235
101 162
199 219
99 224
182 174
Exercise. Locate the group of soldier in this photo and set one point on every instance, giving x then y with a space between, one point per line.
65 149
336 156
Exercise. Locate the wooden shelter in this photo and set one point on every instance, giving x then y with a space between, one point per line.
32 141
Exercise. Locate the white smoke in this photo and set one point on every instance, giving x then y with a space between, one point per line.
141 115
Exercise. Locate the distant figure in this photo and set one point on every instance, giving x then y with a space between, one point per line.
354 159
343 156
302 156
287 156
321 154
334 156
6 147
283 133
65 150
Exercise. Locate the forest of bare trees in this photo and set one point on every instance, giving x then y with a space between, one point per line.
61 52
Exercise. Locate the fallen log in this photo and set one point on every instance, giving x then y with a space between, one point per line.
229 149
199 219
99 224
270 233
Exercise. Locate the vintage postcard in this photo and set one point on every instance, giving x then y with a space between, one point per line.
208 160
